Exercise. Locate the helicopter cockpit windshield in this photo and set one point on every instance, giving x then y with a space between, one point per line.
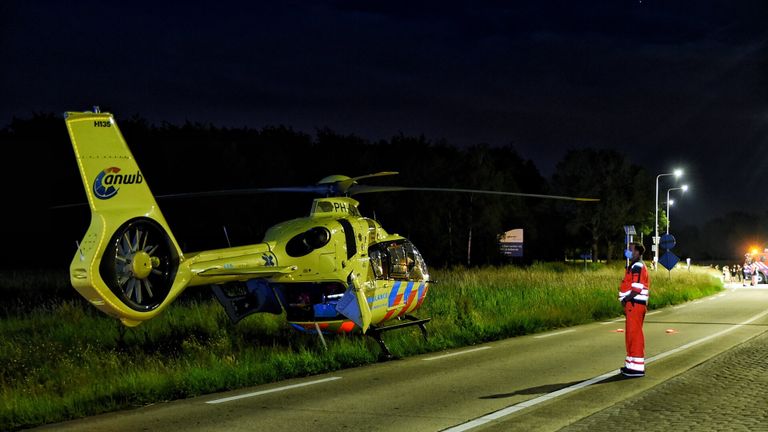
398 260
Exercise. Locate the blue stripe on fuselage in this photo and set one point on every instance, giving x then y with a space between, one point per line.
421 291
407 294
393 293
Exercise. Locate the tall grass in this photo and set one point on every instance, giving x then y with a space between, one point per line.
63 359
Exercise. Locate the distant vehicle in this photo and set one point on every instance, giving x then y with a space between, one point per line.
760 264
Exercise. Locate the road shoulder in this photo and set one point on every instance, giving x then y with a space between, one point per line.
570 408
725 393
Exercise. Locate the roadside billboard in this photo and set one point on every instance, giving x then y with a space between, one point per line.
511 243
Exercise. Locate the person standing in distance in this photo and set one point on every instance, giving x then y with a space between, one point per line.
633 294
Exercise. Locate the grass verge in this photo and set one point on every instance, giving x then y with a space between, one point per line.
63 359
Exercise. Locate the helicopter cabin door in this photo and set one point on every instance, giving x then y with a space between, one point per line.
354 304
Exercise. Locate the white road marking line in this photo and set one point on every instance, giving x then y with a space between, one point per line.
563 391
712 298
553 334
721 295
612 321
652 313
258 393
681 306
456 353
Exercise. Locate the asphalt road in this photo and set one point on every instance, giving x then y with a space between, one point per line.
539 382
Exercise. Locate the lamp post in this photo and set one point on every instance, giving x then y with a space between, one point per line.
677 173
670 202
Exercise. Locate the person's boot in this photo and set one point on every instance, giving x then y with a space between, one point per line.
631 373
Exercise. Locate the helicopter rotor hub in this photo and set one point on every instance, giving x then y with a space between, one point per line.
142 264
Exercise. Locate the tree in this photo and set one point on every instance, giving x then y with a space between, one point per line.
623 190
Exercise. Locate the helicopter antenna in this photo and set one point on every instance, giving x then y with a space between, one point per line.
226 234
82 255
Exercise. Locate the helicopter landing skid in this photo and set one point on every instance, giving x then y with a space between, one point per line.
410 321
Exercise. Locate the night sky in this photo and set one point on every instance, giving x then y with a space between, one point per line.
667 82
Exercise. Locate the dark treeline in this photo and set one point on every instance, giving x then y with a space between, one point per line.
40 172
725 237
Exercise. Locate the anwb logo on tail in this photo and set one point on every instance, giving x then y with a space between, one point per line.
104 186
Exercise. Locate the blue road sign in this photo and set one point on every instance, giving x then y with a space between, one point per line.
586 256
667 241
669 260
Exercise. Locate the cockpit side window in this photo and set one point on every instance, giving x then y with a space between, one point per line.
419 270
380 264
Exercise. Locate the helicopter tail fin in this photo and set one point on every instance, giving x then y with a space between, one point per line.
127 263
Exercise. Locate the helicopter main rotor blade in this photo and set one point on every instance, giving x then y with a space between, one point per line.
316 189
359 189
332 189
342 186
66 206
378 174
319 189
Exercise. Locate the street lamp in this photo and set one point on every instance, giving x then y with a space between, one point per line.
670 202
677 173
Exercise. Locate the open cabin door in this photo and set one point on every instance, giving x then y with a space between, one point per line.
242 299
354 304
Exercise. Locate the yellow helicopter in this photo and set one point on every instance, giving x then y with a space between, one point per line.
334 271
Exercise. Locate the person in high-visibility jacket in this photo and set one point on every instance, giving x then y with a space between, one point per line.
633 295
